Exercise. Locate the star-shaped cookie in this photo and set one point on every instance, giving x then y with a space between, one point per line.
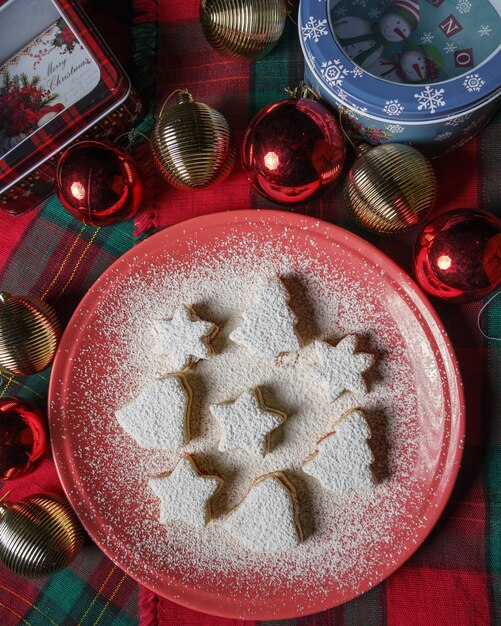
247 422
340 368
268 329
267 518
184 338
159 417
185 493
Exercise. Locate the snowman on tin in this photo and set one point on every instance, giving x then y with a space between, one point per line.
359 39
420 63
417 64
399 19
363 42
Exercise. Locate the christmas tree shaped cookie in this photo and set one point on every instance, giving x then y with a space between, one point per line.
268 329
185 493
267 518
343 459
185 338
159 417
340 368
247 422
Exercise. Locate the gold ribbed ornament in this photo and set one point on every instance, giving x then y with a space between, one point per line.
29 334
246 29
39 535
192 144
390 188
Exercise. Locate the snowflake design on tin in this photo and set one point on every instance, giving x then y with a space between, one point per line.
352 114
393 107
457 121
443 136
430 99
311 57
484 30
463 6
340 11
341 94
362 3
314 29
356 72
334 72
396 129
427 38
475 123
374 13
473 82
450 46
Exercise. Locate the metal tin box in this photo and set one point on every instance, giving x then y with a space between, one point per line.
58 82
423 72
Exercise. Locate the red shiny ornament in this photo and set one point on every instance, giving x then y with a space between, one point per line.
293 150
98 183
23 438
457 255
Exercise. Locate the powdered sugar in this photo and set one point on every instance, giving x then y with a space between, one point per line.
185 493
350 539
246 423
159 416
266 520
340 368
268 326
184 339
343 459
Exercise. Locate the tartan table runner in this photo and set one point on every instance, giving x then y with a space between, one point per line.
455 577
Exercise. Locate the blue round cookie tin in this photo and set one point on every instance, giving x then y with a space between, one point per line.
423 72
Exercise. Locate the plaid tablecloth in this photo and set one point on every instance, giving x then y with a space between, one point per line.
455 577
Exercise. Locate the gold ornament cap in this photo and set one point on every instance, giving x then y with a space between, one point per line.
390 188
29 334
243 29
39 535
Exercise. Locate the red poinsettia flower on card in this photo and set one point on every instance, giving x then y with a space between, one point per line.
23 102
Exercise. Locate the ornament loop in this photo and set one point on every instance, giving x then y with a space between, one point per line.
356 147
3 504
481 312
290 10
183 96
303 90
132 139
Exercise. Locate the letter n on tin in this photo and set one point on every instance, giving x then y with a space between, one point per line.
450 26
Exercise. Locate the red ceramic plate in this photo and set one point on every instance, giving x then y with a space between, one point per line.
339 284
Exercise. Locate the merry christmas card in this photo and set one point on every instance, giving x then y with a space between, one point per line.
50 73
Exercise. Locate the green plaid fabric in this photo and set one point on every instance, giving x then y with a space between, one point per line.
59 258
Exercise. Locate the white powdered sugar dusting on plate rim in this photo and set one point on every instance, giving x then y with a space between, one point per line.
348 538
